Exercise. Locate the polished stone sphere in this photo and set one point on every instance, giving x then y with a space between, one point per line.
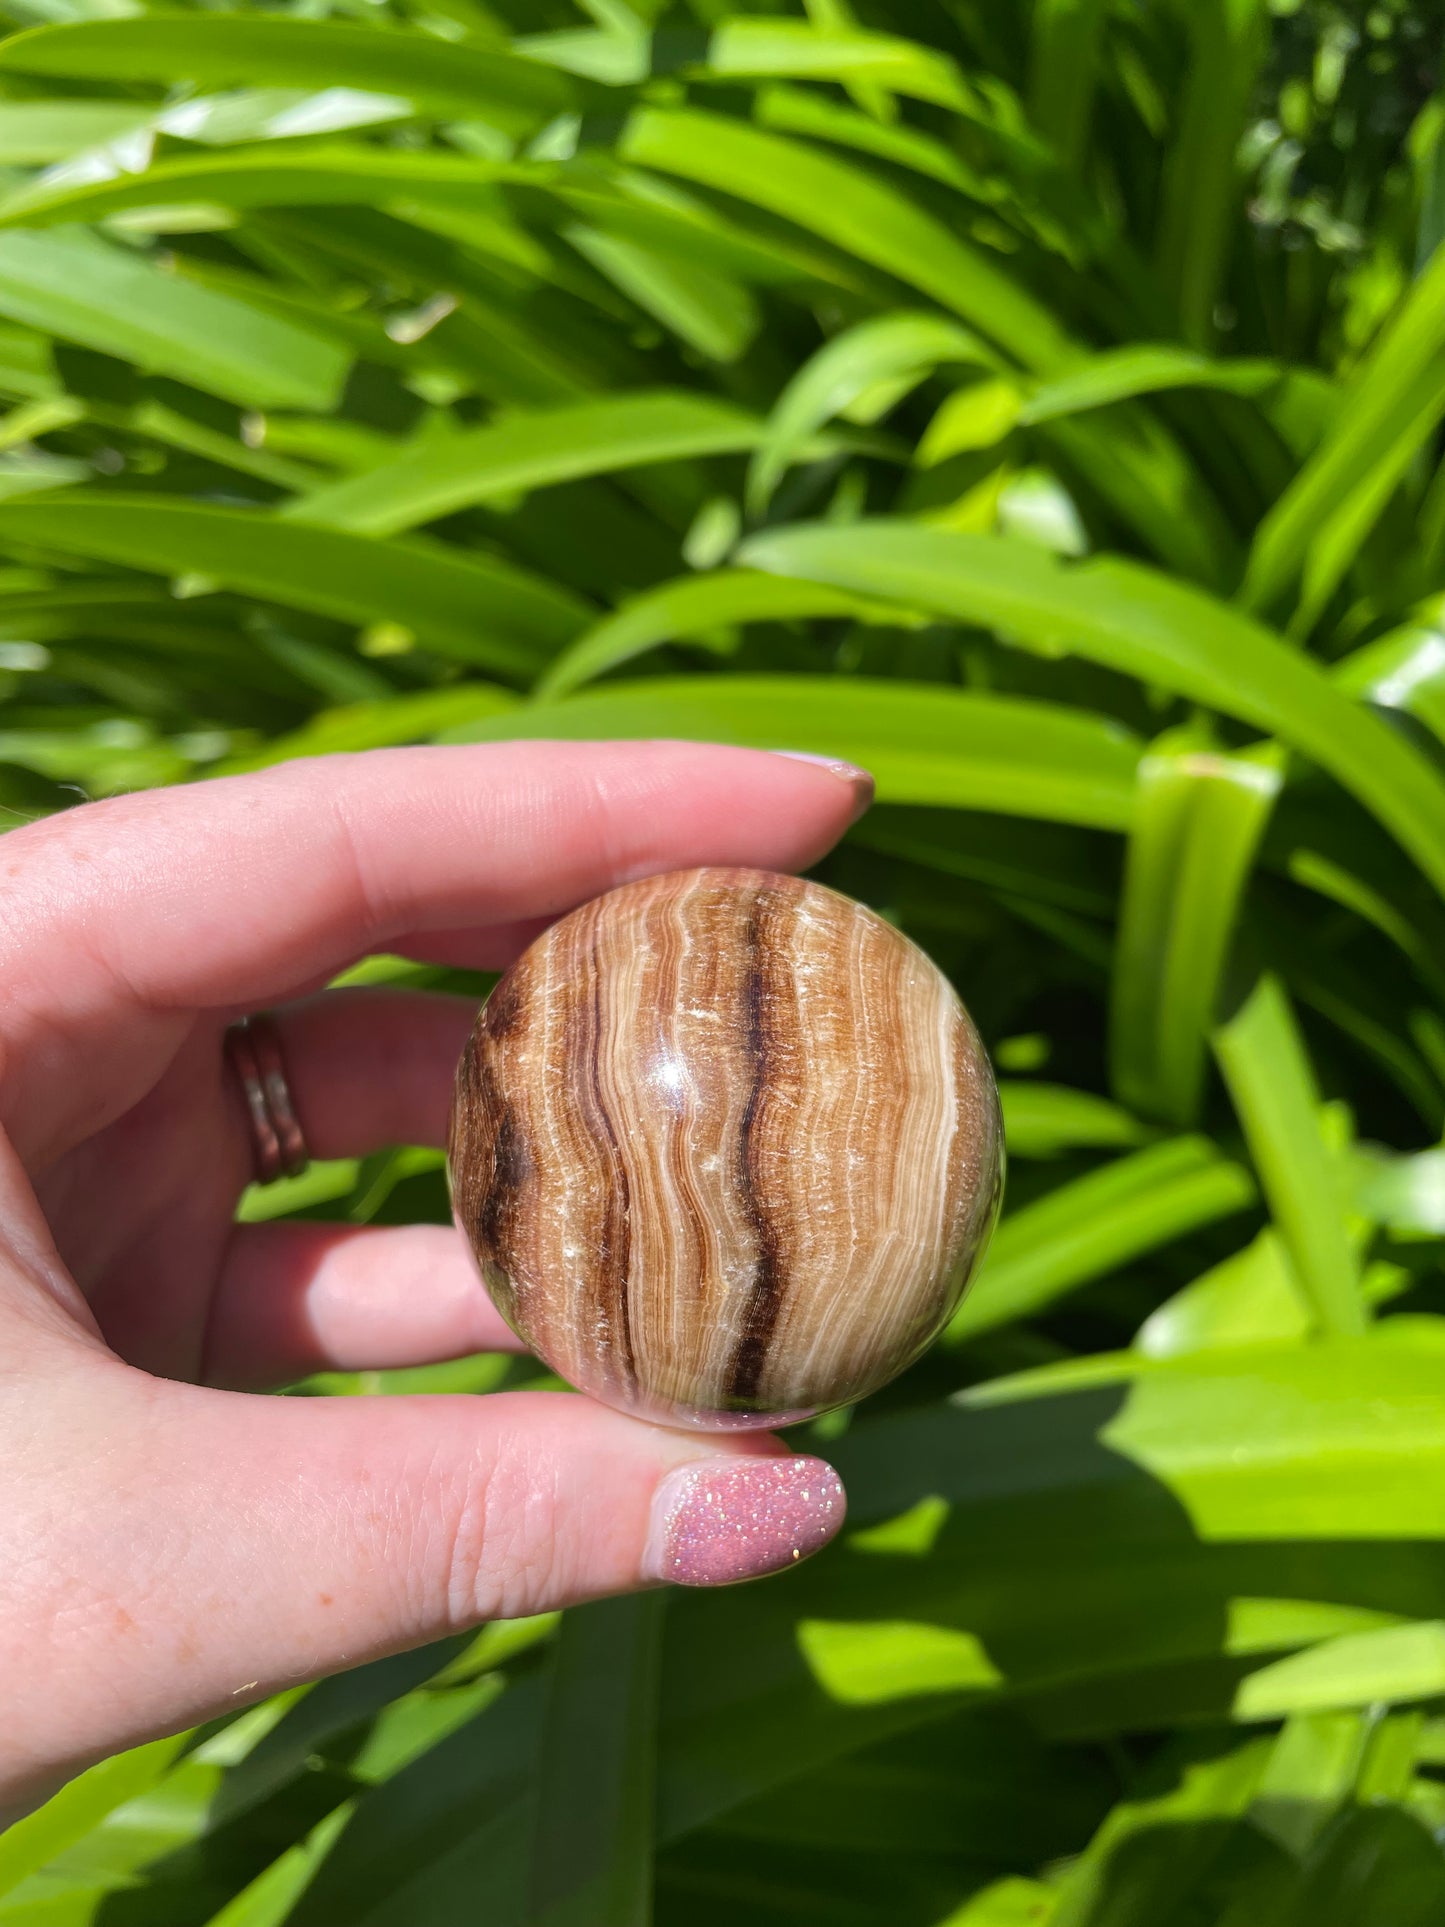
727 1148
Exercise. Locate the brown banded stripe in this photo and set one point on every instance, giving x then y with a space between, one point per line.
726 1145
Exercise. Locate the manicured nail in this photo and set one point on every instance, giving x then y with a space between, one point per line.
859 780
727 1519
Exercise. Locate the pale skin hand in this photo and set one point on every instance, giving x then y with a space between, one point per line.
170 1549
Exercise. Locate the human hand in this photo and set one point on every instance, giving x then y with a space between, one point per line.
168 1549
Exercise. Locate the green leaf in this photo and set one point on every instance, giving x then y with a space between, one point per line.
1020 861
1097 1222
1407 1194
1064 69
1403 669
323 1180
1141 623
268 1899
277 113
1197 826
33 132
1314 1767
1263 1059
1395 1664
1044 1120
1146 478
891 351
592 1839
1393 401
922 743
853 210
39 1838
1228 41
712 312
438 76
697 606
1146 369
868 1661
797 110
479 610
977 415
1252 1298
528 451
1006 1903
411 718
746 47
269 176
454 1822
1159 1850
84 290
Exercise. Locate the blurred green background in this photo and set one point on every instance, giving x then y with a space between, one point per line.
1039 404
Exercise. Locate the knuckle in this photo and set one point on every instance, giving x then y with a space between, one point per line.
498 1536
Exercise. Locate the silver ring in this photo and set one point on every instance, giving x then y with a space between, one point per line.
278 1145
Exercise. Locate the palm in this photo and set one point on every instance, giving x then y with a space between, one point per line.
142 1210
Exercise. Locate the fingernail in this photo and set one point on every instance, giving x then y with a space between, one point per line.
860 781
727 1519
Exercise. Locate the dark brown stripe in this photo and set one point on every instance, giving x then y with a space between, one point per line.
491 1170
506 1006
765 1295
497 1210
505 1167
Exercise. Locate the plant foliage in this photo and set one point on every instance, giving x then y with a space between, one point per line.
1040 405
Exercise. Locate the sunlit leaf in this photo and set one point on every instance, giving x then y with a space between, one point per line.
83 290
485 612
439 76
846 206
1133 620
1263 1059
1097 1222
924 745
1197 825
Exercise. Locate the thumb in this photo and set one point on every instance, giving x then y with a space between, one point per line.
231 1545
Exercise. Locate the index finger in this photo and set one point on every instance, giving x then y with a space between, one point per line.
242 891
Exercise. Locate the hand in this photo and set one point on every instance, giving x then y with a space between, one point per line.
169 1550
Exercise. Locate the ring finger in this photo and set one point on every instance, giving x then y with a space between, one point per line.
367 1068
364 1068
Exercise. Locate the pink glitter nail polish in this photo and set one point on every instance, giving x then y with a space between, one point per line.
721 1520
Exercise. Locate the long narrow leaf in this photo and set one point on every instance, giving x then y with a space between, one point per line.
1064 71
592 1838
484 612
42 1835
1262 1056
84 290
527 451
696 606
1227 45
1392 404
269 176
1142 623
438 75
746 47
923 744
891 351
1197 826
1086 1228
853 210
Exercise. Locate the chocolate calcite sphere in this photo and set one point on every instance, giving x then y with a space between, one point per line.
727 1148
